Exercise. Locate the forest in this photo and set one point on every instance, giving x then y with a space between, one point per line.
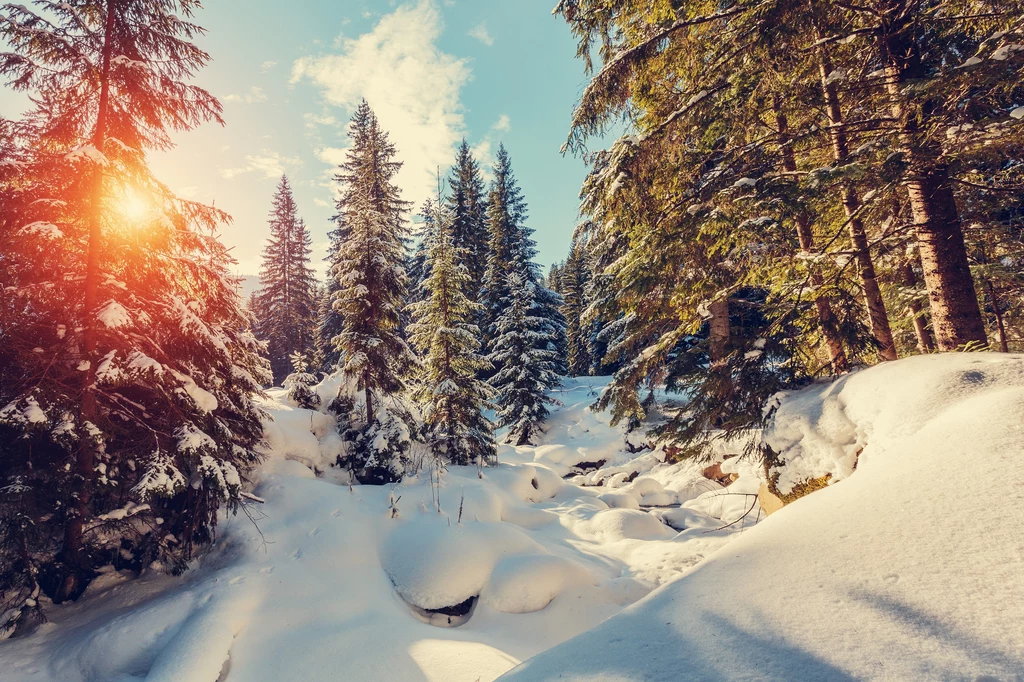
781 196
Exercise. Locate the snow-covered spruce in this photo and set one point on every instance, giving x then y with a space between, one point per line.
367 268
129 374
284 305
524 351
448 341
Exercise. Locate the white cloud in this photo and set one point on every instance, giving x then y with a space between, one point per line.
480 33
413 87
504 123
270 164
312 120
267 66
320 202
254 95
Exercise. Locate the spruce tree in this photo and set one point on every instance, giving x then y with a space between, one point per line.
127 412
527 362
419 263
369 271
285 305
447 338
574 281
468 204
506 213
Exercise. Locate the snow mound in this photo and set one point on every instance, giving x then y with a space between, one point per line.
907 570
627 524
434 566
524 584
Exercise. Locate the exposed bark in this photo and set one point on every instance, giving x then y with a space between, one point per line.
826 317
956 316
369 406
719 331
878 317
925 341
1000 328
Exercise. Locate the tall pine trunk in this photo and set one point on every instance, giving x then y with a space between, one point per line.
826 317
74 553
956 316
878 317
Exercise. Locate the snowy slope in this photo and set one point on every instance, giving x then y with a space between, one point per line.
332 586
908 570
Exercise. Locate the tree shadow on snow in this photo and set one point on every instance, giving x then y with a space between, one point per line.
929 626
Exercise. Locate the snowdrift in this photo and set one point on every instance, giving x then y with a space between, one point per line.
910 569
351 583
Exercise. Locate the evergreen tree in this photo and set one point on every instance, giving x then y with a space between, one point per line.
574 281
528 364
419 263
300 383
285 303
448 341
506 214
369 269
468 205
127 412
329 317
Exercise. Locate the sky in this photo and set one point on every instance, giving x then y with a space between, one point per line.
435 71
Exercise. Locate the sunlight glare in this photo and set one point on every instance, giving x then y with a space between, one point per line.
133 205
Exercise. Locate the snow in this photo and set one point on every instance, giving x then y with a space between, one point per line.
333 582
113 315
638 569
908 569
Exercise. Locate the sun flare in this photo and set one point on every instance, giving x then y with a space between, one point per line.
133 204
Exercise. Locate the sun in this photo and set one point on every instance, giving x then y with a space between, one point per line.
133 204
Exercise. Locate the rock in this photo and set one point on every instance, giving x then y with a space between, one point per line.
769 501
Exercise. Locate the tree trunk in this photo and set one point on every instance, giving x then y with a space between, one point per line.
73 553
925 342
956 316
369 407
1000 328
719 331
826 317
878 317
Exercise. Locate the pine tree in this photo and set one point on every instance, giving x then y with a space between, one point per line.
285 303
300 383
369 270
528 364
419 264
127 412
574 281
506 213
330 321
467 202
448 341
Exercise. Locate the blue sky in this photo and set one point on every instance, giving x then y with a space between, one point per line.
434 70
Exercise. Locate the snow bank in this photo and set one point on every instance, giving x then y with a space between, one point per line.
907 570
347 581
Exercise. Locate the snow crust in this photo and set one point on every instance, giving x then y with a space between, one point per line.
909 569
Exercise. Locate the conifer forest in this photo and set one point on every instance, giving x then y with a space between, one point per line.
335 378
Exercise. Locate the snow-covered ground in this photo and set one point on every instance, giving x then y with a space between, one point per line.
910 569
346 583
907 568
